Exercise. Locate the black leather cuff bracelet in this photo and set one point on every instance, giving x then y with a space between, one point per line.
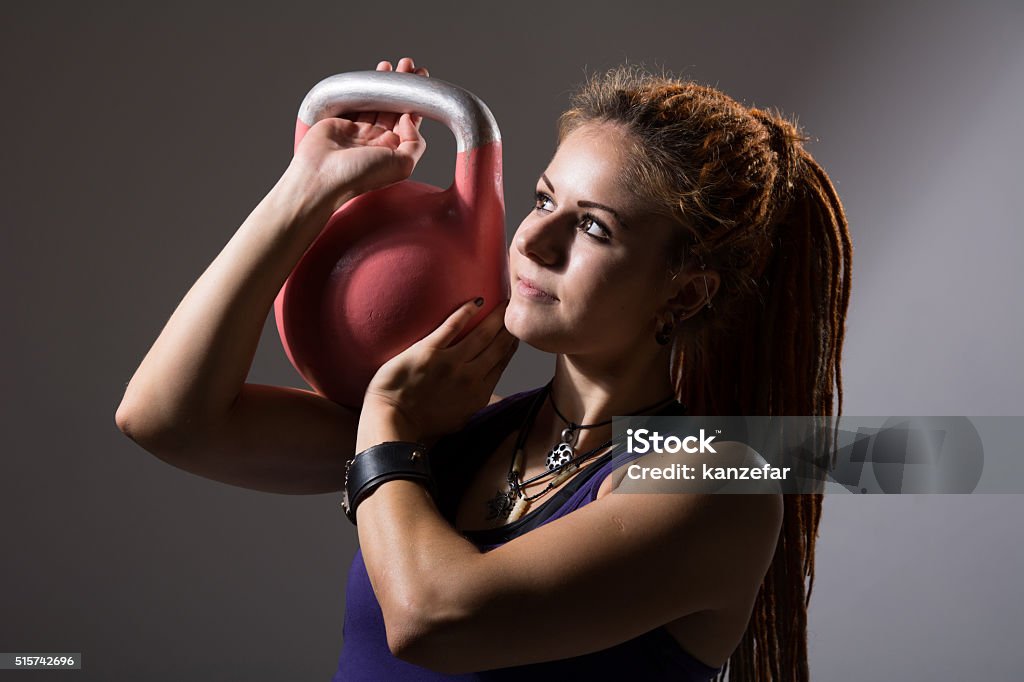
381 463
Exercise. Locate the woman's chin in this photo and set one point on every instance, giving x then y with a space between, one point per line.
519 325
539 336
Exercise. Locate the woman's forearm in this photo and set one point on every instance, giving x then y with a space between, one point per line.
416 562
199 363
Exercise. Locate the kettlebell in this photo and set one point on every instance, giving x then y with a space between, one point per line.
391 264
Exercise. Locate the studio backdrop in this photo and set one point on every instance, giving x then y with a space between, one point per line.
137 138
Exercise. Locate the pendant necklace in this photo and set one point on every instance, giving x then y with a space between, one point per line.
562 460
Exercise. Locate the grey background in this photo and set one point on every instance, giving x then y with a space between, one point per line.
136 139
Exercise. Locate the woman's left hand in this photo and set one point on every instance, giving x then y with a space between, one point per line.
434 387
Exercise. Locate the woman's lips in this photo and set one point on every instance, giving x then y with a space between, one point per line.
530 290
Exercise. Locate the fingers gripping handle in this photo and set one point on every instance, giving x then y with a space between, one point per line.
400 93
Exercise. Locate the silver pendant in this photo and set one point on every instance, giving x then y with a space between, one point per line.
500 505
563 452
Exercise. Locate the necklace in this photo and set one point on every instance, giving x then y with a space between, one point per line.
565 450
562 461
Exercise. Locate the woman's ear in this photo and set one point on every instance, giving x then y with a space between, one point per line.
691 290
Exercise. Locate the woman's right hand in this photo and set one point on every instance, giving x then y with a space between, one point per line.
339 158
188 402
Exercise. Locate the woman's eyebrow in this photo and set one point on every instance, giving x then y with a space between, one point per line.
588 204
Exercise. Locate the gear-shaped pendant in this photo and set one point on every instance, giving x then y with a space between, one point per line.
559 455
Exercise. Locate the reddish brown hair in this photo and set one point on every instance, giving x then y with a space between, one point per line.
754 206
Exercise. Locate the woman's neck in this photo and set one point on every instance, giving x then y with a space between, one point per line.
587 392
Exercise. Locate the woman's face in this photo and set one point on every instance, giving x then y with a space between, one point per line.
588 264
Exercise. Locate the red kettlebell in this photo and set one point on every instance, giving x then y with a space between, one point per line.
392 264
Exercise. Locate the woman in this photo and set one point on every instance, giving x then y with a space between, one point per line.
682 250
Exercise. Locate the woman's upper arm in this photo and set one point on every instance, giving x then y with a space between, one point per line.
272 438
608 572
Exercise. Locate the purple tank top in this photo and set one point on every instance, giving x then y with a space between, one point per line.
365 656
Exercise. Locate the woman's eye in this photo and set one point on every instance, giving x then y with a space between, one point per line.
589 225
595 229
543 202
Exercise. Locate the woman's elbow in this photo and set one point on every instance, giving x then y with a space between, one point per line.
425 632
405 642
426 652
146 431
409 635
132 423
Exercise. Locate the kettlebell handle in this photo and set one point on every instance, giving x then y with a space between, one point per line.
400 93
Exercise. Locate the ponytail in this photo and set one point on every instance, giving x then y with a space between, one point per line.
756 208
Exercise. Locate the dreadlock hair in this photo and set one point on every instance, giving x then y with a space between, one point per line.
752 205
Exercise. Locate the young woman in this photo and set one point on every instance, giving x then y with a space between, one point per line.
683 254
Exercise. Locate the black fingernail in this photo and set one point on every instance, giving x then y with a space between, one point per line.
479 301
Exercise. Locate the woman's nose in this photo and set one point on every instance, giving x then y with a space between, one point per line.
540 240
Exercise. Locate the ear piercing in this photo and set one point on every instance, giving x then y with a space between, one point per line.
707 293
664 335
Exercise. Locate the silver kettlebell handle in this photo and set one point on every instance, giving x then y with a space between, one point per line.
464 113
